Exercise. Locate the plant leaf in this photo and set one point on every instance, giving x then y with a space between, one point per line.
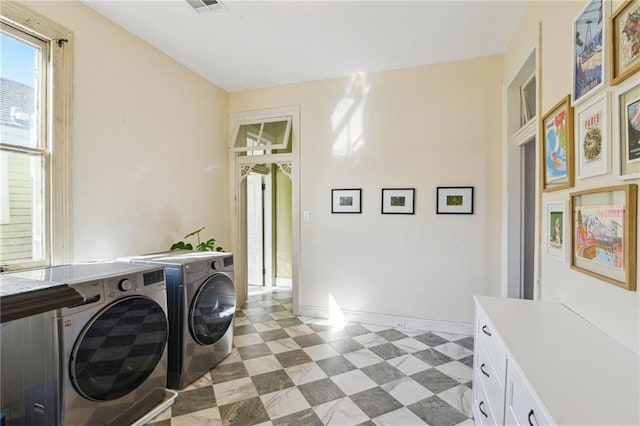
177 246
194 232
188 246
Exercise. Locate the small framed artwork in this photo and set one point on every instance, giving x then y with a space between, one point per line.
628 129
454 200
398 200
603 226
557 147
588 51
346 200
625 41
556 230
592 136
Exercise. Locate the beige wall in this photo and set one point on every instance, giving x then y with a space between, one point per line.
421 127
610 308
149 160
283 225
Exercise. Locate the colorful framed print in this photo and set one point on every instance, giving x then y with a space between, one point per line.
557 147
556 241
628 129
588 51
603 241
346 201
625 41
398 200
592 131
454 200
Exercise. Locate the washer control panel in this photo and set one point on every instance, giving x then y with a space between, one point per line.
117 286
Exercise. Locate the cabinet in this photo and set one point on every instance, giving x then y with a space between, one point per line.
539 363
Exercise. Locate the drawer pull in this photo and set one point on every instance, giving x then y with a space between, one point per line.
481 410
529 418
483 370
485 330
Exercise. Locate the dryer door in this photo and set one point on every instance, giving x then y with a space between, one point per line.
119 348
212 309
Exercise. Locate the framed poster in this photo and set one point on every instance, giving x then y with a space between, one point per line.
625 41
454 200
398 200
592 145
556 241
628 129
346 201
603 225
557 147
588 51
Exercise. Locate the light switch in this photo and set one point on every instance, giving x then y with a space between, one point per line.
306 215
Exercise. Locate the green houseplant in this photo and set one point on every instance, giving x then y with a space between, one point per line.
208 245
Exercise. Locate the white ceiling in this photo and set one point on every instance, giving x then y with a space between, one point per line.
256 44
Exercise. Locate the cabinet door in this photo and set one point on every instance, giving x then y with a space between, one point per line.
522 406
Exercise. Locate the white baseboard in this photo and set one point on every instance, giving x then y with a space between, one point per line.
395 321
284 282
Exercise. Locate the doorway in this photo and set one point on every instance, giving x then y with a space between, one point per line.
528 218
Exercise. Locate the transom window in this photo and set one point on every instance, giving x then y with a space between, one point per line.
263 136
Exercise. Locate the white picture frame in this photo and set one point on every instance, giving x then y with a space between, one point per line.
592 136
555 235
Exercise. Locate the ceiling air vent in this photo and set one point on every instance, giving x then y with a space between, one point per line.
205 6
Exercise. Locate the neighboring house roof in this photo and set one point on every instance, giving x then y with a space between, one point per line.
16 103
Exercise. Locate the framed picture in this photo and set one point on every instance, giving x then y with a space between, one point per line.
556 230
346 200
592 132
398 200
588 51
603 226
625 41
628 129
557 147
455 200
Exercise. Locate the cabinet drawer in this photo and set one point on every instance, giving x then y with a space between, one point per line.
485 374
488 337
482 414
522 406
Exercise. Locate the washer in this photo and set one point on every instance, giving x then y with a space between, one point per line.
113 346
201 299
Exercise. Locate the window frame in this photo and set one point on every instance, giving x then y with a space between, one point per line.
262 121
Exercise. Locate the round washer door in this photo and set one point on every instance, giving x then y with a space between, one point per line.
119 348
212 309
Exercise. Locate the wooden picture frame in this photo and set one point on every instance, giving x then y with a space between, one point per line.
556 128
603 233
624 42
627 129
398 200
556 230
589 51
346 200
592 136
454 199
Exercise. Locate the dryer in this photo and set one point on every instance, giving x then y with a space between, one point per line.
201 299
112 346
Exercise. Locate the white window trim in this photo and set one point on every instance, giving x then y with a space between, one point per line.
59 123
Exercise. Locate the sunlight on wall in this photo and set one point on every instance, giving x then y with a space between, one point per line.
346 120
336 316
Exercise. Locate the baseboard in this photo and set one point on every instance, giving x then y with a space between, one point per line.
395 321
284 282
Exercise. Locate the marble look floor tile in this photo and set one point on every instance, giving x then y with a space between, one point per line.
234 356
335 365
456 370
193 400
266 326
257 318
240 330
261 365
387 351
410 345
406 390
235 390
208 417
305 373
332 335
247 340
341 412
468 361
282 345
254 351
228 372
269 302
432 357
391 334
165 415
400 417
271 382
274 308
291 358
246 412
298 330
241 322
434 380
450 336
319 352
353 382
255 309
306 417
459 397
309 340
346 345
382 373
362 358
371 339
281 315
289 322
466 342
164 422
453 350
284 402
468 422
436 412
354 329
430 339
408 364
202 382
271 335
375 402
321 391
375 328
315 325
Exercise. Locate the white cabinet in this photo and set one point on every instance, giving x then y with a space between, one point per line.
539 363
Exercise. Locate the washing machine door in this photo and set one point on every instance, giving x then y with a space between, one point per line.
212 309
119 348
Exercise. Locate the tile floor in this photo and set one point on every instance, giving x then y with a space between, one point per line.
288 370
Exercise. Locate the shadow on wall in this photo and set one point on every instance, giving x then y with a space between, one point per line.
347 117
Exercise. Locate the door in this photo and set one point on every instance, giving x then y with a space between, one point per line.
255 229
529 219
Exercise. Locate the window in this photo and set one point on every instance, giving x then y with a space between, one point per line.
263 136
35 105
